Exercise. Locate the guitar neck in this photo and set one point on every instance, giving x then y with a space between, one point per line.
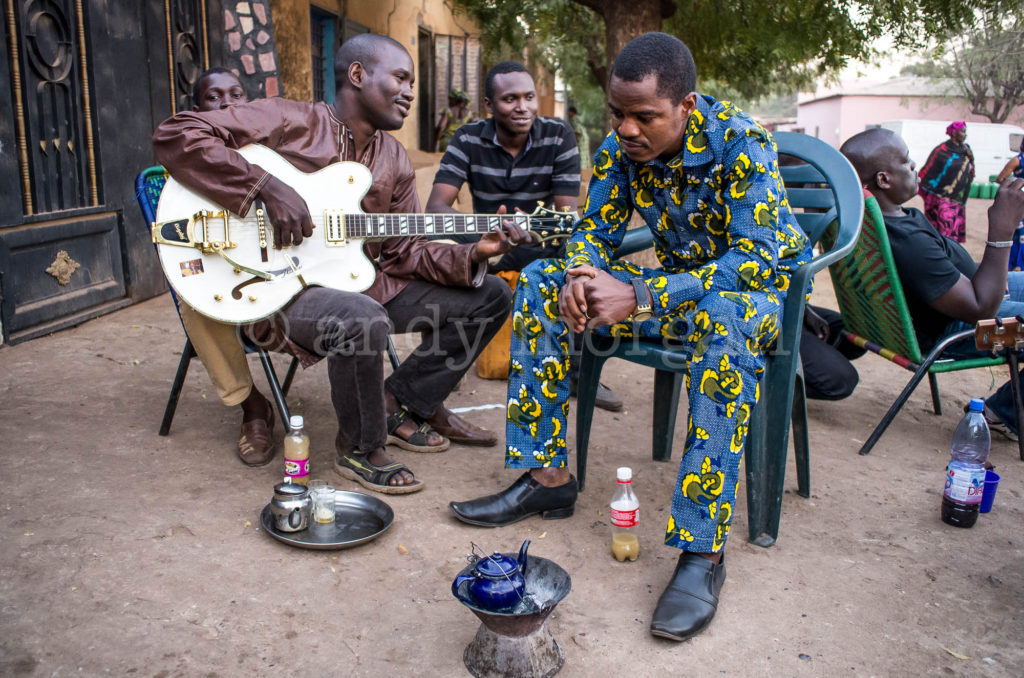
392 225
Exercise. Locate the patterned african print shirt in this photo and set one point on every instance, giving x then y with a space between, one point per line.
718 211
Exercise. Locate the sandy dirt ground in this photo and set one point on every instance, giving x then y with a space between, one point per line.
125 553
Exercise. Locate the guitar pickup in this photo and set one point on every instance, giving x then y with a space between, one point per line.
334 228
184 232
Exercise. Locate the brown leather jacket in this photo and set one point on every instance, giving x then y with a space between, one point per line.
197 149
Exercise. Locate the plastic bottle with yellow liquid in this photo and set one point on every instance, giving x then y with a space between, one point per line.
296 452
625 517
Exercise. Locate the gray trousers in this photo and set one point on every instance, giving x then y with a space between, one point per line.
350 330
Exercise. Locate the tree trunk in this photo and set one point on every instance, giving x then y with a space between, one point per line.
623 21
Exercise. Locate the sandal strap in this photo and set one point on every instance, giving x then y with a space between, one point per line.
396 419
376 475
418 437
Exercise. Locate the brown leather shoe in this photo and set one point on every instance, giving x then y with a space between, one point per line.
256 443
458 430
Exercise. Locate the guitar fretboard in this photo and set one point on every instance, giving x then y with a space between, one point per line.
391 225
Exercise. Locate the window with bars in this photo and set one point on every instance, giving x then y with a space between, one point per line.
321 26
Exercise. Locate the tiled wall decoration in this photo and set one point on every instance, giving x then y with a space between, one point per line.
249 47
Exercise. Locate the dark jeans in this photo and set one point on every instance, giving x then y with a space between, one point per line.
455 324
828 374
351 330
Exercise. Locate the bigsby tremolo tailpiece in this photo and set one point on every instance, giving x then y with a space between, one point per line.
184 232
194 232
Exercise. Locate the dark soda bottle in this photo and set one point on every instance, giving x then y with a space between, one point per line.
965 474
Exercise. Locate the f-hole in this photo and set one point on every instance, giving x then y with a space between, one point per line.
236 293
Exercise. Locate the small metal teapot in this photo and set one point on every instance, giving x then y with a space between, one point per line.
291 507
496 582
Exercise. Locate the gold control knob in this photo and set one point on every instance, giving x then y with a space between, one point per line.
252 297
218 297
354 274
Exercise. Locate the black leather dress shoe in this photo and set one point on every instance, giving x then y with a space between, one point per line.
523 499
689 602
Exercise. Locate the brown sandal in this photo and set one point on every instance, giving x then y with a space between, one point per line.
256 443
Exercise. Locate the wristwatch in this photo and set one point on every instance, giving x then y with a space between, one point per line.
643 309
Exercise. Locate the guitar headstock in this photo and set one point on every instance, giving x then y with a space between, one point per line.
551 225
999 333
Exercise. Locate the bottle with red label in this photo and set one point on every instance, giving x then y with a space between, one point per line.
625 516
296 452
965 475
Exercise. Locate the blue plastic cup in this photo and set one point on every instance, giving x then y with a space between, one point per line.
989 493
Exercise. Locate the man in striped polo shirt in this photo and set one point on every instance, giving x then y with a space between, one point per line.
511 161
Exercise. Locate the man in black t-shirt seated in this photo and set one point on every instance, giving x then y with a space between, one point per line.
946 290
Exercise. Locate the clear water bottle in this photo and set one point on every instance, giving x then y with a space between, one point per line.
296 452
965 475
625 516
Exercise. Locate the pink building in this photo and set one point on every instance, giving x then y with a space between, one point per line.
836 113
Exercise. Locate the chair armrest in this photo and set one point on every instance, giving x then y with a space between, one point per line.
635 240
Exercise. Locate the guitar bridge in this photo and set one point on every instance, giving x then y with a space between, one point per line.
194 232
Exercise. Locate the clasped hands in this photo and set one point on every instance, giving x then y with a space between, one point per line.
594 297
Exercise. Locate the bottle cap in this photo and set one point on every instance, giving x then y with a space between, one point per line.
624 474
296 422
977 405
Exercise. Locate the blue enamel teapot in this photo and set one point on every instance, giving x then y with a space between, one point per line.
496 583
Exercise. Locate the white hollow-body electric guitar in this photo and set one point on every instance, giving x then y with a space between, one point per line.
226 267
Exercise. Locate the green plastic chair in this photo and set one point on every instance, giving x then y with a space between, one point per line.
825 185
877 318
148 186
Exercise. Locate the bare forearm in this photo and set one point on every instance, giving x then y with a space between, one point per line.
439 207
989 282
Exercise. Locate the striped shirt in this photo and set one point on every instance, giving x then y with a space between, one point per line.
547 166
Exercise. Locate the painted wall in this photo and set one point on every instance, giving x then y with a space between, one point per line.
291 30
836 119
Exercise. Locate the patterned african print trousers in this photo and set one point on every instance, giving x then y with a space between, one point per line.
947 216
723 336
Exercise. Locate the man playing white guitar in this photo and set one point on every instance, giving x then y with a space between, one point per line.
438 289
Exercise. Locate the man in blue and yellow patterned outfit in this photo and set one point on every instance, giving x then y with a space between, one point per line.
704 177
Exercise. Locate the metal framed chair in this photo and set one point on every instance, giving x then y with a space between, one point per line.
826 186
877 318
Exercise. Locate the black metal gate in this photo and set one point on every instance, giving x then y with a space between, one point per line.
82 85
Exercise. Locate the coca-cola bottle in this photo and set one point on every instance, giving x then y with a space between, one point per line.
625 517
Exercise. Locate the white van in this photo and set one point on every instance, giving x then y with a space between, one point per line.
993 145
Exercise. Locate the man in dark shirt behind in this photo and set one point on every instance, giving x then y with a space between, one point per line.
512 161
946 290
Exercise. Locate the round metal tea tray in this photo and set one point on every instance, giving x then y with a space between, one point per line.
358 518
